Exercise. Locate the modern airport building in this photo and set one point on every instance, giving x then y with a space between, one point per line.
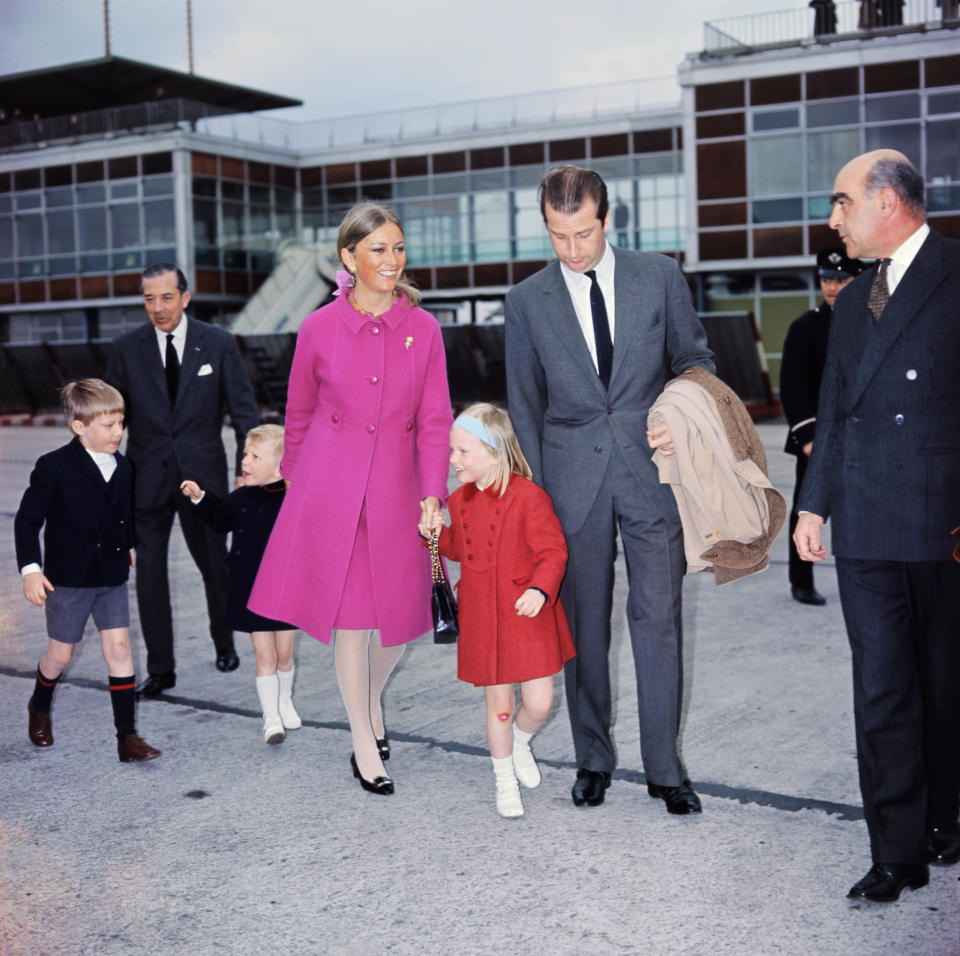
108 165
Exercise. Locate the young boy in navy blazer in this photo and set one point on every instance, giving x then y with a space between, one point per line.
81 495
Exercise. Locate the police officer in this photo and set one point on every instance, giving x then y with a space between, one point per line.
804 354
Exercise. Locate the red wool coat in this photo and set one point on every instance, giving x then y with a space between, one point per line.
505 545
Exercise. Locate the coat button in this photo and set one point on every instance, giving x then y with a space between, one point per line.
898 419
469 557
375 330
409 426
468 541
373 380
371 428
911 374
597 449
334 418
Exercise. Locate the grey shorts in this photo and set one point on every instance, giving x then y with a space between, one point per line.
69 609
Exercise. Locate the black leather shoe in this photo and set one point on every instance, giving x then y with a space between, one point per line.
227 661
885 881
943 846
156 684
808 596
38 728
383 745
679 800
381 785
589 788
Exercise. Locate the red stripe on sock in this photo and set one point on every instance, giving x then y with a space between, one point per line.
129 686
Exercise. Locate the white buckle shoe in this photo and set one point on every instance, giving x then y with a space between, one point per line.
509 803
525 766
288 714
273 732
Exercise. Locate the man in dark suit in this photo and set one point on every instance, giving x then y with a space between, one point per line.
801 370
886 469
590 341
177 374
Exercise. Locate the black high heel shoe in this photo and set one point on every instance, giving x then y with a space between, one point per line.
383 745
381 785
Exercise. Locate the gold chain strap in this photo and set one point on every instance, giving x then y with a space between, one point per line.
435 556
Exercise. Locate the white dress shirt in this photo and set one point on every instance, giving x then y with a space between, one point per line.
578 285
904 255
179 340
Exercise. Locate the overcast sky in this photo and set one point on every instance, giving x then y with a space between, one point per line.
358 56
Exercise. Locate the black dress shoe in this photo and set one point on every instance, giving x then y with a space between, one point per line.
679 800
885 881
156 684
227 661
589 787
808 596
381 785
38 727
383 745
943 847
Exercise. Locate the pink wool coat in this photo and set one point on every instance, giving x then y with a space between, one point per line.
368 420
506 545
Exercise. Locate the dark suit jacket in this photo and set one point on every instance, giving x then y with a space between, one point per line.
566 421
88 535
188 435
801 372
886 463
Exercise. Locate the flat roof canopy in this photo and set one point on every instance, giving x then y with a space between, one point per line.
115 81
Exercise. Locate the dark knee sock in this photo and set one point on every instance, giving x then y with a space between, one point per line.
122 698
43 693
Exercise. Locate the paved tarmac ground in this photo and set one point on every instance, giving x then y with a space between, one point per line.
226 845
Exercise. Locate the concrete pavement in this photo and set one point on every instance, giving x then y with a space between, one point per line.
226 845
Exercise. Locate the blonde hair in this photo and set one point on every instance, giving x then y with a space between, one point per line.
268 435
358 223
507 457
86 398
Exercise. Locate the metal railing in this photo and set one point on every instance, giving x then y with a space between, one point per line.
450 119
847 18
179 113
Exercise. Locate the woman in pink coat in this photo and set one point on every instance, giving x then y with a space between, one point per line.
365 445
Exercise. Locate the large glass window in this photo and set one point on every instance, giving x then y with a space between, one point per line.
491 226
840 113
159 222
30 235
943 152
125 226
776 165
60 233
905 138
826 154
883 108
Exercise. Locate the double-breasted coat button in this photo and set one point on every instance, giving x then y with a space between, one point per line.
898 419
373 380
911 374
334 418
371 428
597 449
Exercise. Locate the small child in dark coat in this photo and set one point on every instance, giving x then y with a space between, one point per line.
80 495
250 512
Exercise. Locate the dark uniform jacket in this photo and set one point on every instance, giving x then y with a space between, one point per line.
801 371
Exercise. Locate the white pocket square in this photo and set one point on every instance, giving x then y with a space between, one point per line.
205 370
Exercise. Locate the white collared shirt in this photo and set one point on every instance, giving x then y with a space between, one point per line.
179 340
904 255
578 285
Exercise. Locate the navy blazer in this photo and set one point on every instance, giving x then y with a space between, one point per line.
565 419
87 533
212 378
886 462
801 373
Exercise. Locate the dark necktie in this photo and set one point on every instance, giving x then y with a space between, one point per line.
172 369
601 329
879 291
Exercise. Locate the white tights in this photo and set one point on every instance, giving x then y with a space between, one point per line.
363 668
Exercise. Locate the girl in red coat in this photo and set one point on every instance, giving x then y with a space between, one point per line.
512 556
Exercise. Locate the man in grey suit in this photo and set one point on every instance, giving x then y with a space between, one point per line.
590 342
886 469
177 374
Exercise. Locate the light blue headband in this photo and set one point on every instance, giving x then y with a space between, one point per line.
476 427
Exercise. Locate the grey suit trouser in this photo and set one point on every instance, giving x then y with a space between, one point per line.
652 540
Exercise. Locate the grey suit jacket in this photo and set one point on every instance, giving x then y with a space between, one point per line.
886 461
566 421
189 434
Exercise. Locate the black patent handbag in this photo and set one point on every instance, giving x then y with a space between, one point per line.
442 602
